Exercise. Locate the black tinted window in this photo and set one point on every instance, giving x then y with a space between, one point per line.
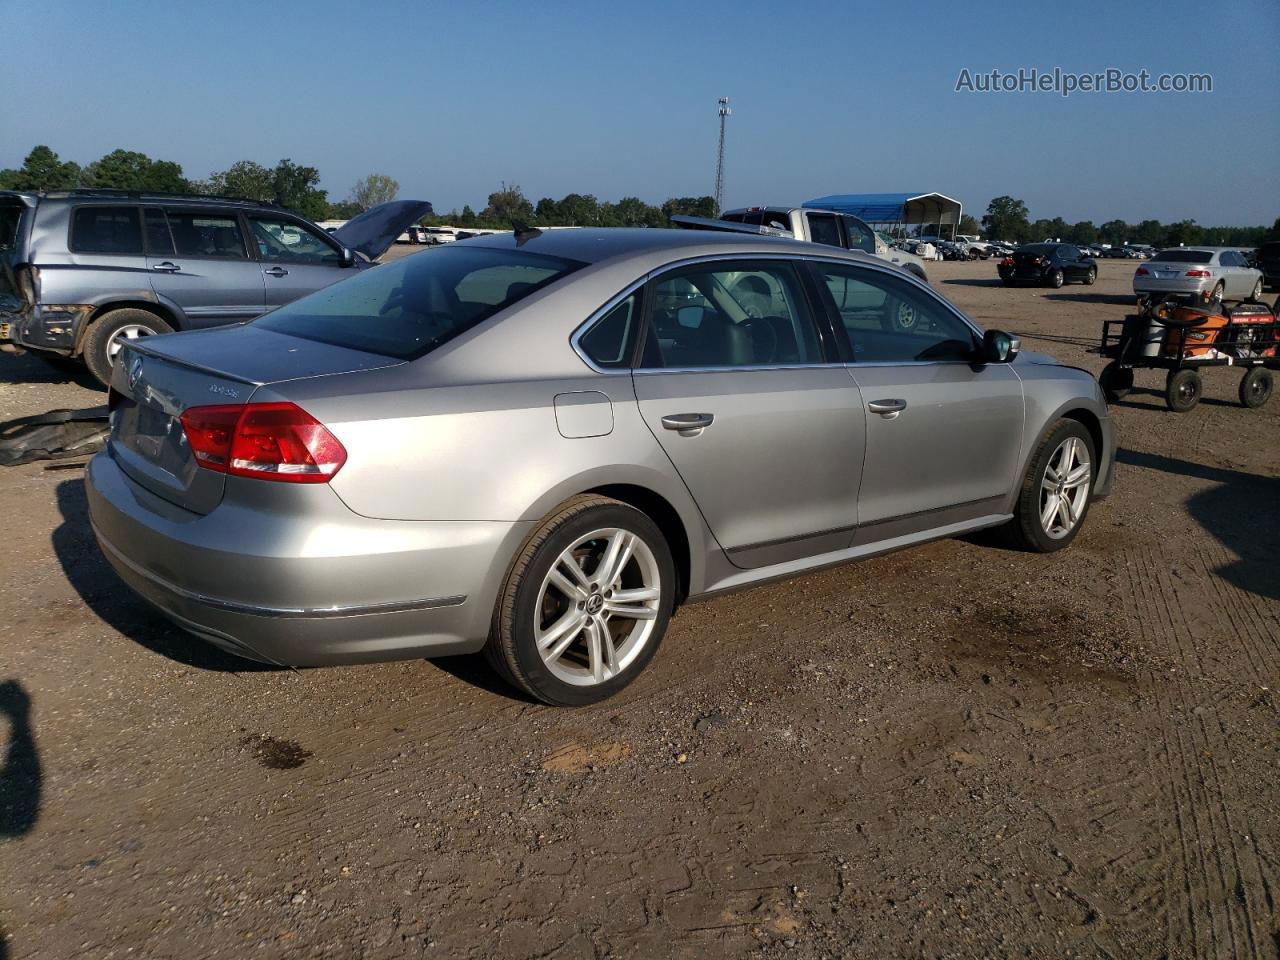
407 307
609 342
824 229
106 230
730 315
197 234
159 241
1183 256
10 217
889 321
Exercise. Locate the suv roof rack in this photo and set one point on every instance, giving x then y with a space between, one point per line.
153 195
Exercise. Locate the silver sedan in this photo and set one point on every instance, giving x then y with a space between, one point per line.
1211 273
540 445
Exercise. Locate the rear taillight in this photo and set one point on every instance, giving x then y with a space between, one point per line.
1197 273
1142 272
1007 262
269 441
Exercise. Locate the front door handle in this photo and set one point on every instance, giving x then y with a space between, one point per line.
887 408
166 266
687 421
276 272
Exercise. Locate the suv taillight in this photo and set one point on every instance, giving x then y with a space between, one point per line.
1007 262
269 441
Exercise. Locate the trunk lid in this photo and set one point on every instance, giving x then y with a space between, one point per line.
373 232
156 381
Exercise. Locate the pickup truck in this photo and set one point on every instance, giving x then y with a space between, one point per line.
815 226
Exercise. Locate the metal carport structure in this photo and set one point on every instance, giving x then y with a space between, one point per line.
895 209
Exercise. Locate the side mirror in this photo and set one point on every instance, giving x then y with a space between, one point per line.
348 258
999 347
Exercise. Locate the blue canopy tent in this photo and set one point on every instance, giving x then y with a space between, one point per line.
895 209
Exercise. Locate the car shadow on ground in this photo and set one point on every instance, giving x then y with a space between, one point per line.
37 367
20 775
474 669
976 281
119 607
1242 512
1117 299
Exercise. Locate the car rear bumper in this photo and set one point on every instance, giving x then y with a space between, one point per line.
339 589
1182 285
53 327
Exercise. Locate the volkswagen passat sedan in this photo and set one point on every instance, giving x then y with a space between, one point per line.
539 445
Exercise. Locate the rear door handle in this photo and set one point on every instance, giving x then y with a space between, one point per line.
687 421
166 266
276 272
887 408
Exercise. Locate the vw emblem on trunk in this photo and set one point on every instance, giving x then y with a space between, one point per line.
135 371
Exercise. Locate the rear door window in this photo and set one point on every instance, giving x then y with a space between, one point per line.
823 228
730 315
199 234
159 241
102 229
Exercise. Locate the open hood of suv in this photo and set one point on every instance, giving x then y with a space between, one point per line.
728 226
374 231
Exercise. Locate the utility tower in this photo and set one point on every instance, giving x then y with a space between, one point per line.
724 115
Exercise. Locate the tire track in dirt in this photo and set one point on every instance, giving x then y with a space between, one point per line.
1218 901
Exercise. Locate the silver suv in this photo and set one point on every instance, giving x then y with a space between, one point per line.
85 270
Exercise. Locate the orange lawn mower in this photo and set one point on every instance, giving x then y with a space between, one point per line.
1183 335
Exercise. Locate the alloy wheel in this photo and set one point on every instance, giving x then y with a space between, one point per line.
597 606
1064 488
133 331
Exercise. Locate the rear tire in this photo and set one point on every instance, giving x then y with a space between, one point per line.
1183 390
1116 381
1218 293
1256 387
1056 491
109 332
1091 277
544 646
1257 291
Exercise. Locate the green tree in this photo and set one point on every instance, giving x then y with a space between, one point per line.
294 187
131 170
1114 232
1184 232
1150 231
375 189
634 212
1274 232
578 210
968 226
690 207
344 210
548 212
1006 219
41 170
468 216
246 179
1084 232
507 206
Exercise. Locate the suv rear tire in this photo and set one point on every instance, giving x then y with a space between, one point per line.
103 341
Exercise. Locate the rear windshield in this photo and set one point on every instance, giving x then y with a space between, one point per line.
1183 256
1039 249
408 307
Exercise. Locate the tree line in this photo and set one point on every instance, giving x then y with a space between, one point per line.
295 187
1008 219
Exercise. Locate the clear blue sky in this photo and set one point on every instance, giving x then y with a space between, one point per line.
620 99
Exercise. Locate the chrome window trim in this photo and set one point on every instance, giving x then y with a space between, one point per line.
875 265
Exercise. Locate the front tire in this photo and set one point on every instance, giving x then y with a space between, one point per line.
1091 277
1257 291
1055 494
585 604
1056 279
108 334
1183 390
1256 387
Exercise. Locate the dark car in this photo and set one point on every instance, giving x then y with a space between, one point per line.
1267 259
1048 264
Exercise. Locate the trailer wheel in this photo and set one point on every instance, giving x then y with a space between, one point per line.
1116 381
1183 390
1256 387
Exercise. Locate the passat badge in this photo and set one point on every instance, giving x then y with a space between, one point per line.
135 371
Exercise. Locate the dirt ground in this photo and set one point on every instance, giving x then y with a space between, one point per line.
957 751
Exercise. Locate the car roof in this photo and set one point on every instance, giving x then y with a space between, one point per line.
597 244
